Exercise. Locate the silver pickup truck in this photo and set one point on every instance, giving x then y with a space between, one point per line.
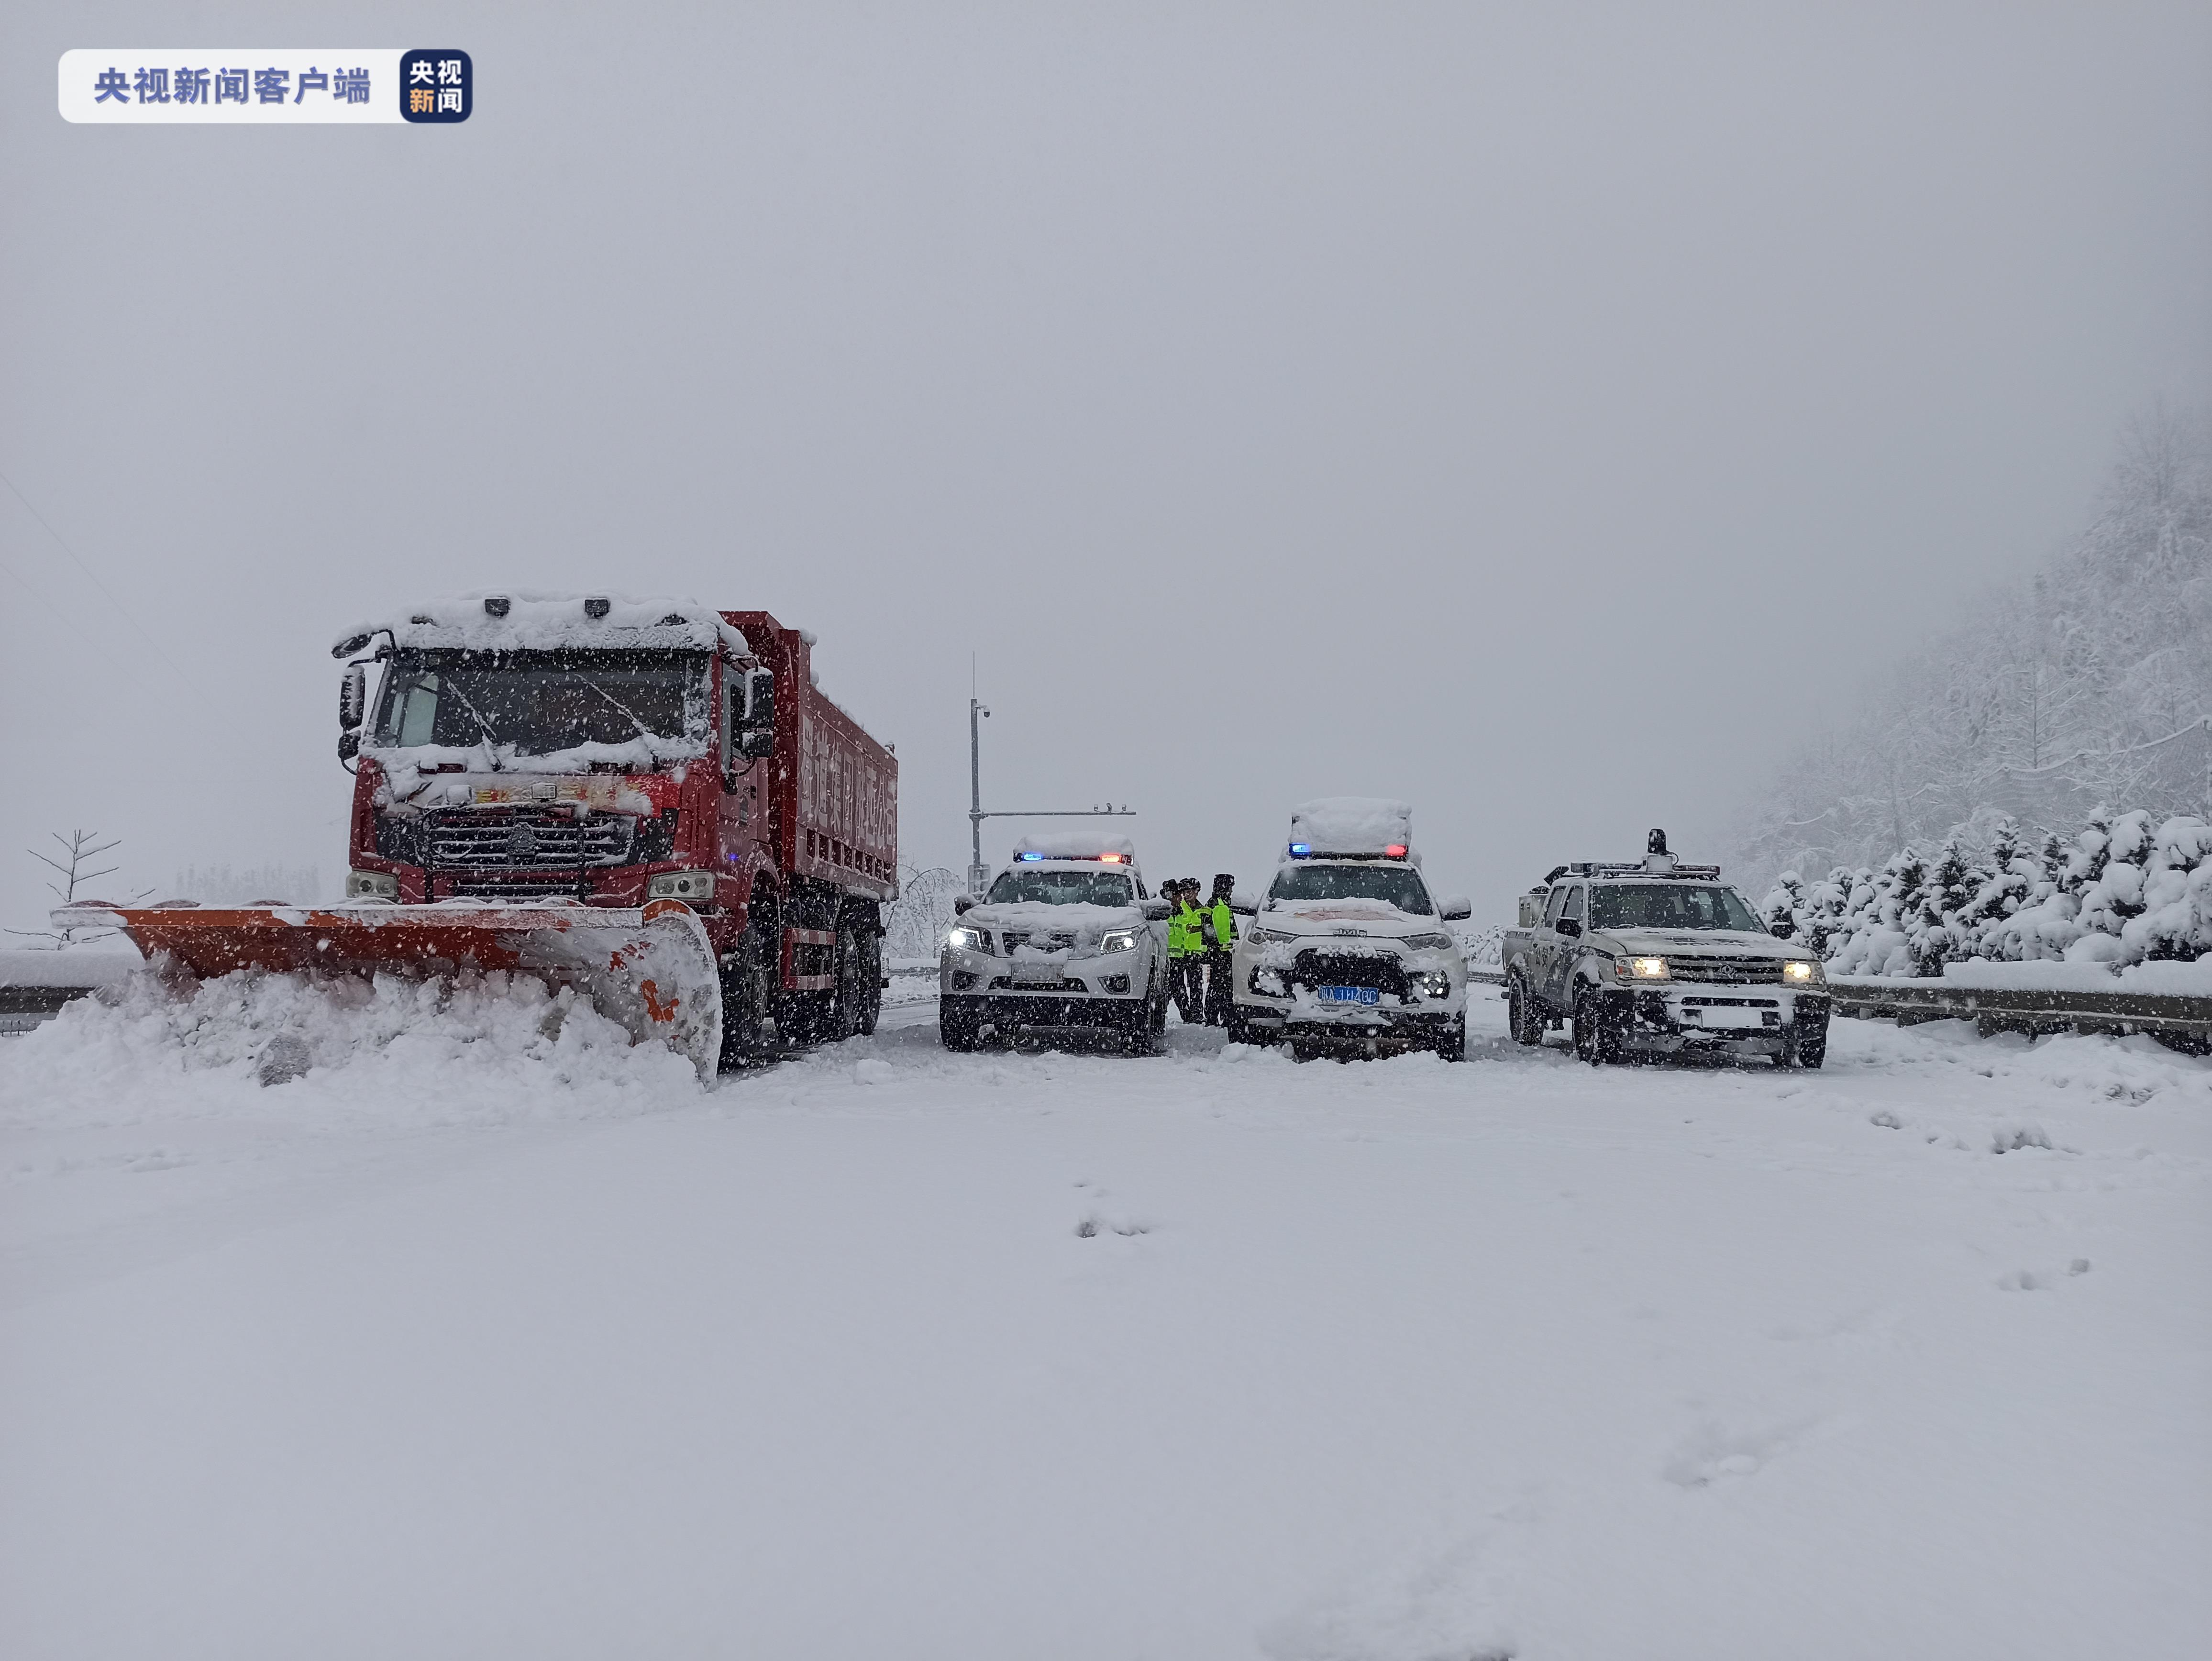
1658 959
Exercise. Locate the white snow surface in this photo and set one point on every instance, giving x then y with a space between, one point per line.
101 963
487 1336
1352 824
538 621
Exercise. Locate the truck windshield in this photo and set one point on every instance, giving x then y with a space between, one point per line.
1669 905
1393 884
1063 888
541 702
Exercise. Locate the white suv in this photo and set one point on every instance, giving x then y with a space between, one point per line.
1349 951
1066 937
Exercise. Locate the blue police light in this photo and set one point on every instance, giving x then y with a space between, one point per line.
1032 856
1300 849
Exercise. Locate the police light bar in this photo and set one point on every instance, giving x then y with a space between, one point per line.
1029 856
1299 849
1109 858
1396 851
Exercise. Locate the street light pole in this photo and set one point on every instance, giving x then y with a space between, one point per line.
979 874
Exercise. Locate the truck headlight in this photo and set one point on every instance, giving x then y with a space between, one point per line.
1641 969
1797 972
964 938
1117 939
1433 983
372 885
681 886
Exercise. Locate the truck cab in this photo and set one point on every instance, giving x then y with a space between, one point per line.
1348 952
1066 937
1659 957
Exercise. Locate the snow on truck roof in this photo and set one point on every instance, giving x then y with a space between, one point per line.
519 619
1352 824
1076 845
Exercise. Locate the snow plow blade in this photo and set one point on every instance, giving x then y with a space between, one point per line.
652 972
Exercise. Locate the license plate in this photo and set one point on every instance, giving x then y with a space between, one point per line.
1036 974
1725 1016
1348 995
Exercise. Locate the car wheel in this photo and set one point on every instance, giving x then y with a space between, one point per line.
1453 1045
1808 1046
1526 1025
958 1027
1597 1040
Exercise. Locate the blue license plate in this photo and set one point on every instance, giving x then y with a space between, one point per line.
1348 995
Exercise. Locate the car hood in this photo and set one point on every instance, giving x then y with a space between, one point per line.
1047 927
1345 919
1698 943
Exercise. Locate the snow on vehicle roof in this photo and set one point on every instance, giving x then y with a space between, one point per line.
521 619
1352 824
1076 845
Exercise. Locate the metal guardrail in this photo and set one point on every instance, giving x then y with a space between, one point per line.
2184 1020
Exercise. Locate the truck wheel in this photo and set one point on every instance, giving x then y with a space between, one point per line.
1526 1025
1453 1045
958 1027
1597 1039
1806 1046
748 1028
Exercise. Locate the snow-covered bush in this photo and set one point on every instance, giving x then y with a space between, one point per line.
2121 891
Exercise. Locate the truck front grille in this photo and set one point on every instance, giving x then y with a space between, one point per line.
527 841
1041 940
1726 971
1385 974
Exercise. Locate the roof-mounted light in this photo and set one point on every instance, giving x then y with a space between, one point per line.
1029 856
1396 851
1109 858
1300 849
596 606
496 605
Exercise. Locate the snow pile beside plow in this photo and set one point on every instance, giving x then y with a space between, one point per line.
493 1048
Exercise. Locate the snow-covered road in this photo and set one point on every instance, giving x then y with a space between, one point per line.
487 1339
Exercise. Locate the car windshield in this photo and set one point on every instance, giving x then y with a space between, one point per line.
1393 884
1669 905
541 702
1063 887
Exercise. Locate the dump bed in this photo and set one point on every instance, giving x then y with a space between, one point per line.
833 794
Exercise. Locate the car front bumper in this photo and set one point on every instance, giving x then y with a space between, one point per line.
1756 1020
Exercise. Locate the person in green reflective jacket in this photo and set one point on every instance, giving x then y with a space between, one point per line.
1186 951
1218 935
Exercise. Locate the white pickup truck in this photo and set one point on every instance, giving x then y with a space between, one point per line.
1348 952
1066 937
1658 958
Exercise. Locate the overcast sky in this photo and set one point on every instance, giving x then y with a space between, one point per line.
1544 414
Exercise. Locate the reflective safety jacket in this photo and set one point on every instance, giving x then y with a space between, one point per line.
1225 926
1183 938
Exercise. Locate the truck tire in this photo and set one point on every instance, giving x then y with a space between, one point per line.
958 1026
1521 1016
1806 1045
1452 1046
749 991
1597 1036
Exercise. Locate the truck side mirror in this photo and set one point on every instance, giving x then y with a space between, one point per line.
1454 908
348 745
962 905
1155 910
756 735
353 699
1568 927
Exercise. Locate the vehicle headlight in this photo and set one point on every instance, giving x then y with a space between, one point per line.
372 885
1433 983
1798 972
1429 942
964 938
1265 936
681 886
1641 969
1118 939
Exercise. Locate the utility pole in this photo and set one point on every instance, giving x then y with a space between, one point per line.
979 874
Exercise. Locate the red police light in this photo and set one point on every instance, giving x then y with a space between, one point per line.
1109 858
1396 851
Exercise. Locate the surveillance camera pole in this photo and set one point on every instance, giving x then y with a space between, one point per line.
979 874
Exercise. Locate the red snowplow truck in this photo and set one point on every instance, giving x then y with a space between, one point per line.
643 798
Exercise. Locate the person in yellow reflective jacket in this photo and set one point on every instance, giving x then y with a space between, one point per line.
1218 934
1186 950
